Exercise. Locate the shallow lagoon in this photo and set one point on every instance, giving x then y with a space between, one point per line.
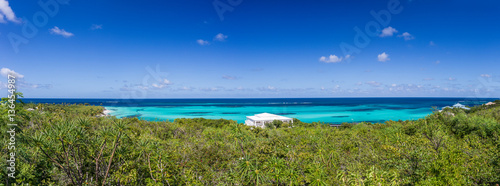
329 110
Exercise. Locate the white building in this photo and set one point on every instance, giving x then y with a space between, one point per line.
489 103
458 105
259 120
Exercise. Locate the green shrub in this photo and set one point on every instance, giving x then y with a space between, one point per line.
70 145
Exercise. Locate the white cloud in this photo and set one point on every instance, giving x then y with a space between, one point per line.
96 27
373 83
383 57
166 81
407 36
408 88
331 59
162 84
57 31
6 12
485 75
220 37
202 42
389 31
20 83
185 88
143 87
211 89
36 86
240 88
268 88
158 85
133 87
452 79
229 77
5 72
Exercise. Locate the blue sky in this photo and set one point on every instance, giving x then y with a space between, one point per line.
240 49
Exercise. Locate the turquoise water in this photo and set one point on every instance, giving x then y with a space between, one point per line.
304 113
329 110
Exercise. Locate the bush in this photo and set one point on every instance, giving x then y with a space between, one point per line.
274 124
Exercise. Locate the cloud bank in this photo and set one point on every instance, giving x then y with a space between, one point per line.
5 72
7 13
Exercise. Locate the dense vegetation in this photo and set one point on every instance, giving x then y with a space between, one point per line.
71 145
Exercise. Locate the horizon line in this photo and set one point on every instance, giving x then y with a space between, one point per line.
268 98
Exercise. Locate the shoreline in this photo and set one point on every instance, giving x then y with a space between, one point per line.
105 112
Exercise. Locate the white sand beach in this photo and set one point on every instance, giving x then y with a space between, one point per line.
106 112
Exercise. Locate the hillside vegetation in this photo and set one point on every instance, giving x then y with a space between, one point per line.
71 145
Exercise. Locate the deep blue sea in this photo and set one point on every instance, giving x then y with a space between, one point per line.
328 110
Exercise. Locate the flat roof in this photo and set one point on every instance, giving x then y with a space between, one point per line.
267 116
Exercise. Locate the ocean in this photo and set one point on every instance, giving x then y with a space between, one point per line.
328 110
